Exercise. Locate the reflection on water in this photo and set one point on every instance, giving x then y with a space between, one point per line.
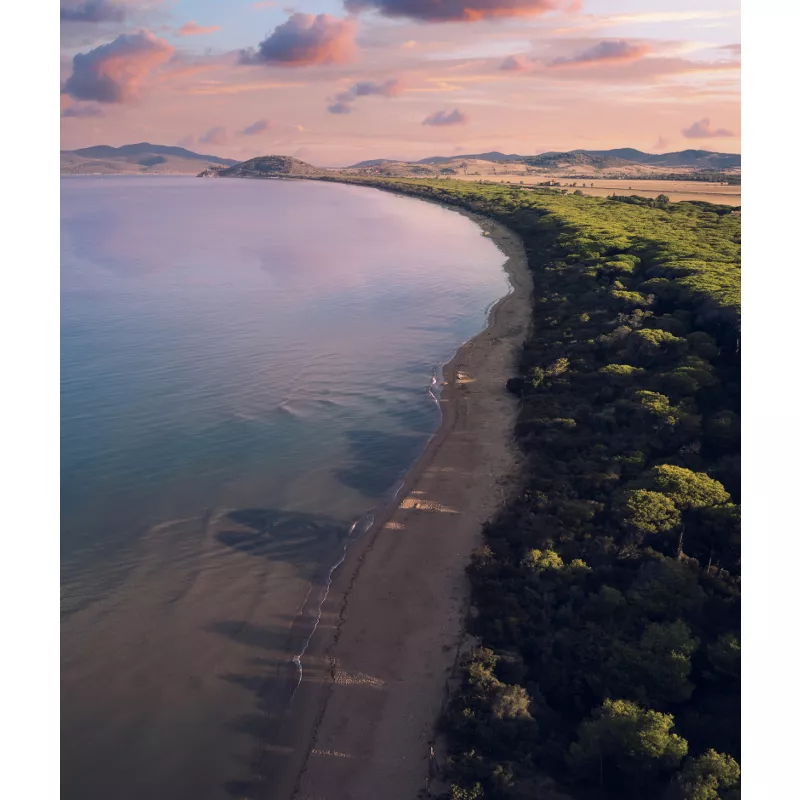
245 367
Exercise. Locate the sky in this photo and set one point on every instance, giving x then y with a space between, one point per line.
334 82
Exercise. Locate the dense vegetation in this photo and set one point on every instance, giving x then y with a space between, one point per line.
607 592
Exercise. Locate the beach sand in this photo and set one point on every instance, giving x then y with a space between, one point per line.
393 625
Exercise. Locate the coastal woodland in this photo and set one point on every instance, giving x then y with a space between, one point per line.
606 597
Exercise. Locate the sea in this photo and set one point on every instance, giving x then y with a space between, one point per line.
248 369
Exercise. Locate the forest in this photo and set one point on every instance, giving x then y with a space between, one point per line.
606 595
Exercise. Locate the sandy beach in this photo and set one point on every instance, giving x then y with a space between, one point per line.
392 627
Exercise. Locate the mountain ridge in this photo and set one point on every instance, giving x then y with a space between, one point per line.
707 159
143 148
138 158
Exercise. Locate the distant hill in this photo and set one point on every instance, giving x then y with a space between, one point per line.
267 166
373 162
147 149
704 159
436 160
622 157
699 158
136 159
580 158
493 156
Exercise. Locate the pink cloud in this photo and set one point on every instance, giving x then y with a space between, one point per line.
306 39
82 110
441 118
702 130
389 88
661 144
259 126
113 72
217 135
514 64
193 29
341 107
343 102
459 10
607 52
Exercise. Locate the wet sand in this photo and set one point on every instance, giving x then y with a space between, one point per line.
392 626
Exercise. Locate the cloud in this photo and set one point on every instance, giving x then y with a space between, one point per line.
113 72
390 88
306 39
661 144
343 102
82 110
459 10
702 130
218 87
454 117
514 63
341 107
651 17
93 11
259 126
193 29
216 135
607 52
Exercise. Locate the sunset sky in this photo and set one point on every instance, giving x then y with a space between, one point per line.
337 81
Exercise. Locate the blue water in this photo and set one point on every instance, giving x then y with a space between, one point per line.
231 351
229 342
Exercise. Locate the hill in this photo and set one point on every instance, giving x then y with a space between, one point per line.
274 166
493 156
139 158
626 160
582 158
374 162
704 159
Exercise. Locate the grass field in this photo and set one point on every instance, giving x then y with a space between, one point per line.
602 187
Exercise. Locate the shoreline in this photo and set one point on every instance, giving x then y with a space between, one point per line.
376 672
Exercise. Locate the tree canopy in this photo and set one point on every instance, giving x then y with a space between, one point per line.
643 512
633 740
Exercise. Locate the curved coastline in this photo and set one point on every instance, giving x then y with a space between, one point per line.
375 672
365 525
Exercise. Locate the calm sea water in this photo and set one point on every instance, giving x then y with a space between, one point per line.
246 372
